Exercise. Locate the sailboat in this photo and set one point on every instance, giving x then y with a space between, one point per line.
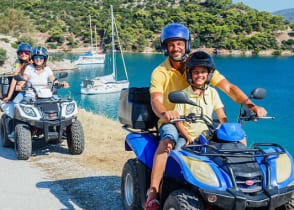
107 83
94 56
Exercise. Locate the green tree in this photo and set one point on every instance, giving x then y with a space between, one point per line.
3 56
14 22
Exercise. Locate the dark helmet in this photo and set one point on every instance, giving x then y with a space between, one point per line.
24 47
175 31
200 58
40 51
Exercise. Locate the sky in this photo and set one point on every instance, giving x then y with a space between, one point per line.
268 5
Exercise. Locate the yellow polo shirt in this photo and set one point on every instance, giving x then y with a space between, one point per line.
213 102
166 79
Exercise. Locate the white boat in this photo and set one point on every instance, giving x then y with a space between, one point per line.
107 83
90 58
94 56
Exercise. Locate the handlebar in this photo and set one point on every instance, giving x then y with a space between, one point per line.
249 115
58 85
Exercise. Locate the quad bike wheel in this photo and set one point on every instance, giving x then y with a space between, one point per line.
130 192
4 137
183 199
23 141
75 138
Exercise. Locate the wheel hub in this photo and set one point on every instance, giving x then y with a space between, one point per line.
129 189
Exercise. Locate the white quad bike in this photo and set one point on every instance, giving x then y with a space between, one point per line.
43 117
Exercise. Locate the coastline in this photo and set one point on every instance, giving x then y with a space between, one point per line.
66 65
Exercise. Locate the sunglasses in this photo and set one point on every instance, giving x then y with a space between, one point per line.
40 57
24 52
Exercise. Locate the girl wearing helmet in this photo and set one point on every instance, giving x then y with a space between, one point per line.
199 67
24 54
38 73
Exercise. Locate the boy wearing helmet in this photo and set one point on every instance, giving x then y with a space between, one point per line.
171 76
199 67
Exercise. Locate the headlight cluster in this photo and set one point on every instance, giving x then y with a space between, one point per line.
283 168
29 111
202 171
70 108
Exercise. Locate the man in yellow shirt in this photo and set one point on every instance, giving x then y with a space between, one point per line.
171 76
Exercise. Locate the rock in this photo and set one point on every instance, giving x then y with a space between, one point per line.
10 53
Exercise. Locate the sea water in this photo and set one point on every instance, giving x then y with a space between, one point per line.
275 74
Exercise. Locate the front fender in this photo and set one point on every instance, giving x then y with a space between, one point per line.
178 169
144 146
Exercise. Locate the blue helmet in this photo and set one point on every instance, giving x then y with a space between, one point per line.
175 31
40 51
24 47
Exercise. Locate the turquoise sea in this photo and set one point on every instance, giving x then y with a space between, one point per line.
275 74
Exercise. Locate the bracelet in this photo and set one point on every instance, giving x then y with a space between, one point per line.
244 101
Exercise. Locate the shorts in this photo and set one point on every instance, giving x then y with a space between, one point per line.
181 142
18 98
169 131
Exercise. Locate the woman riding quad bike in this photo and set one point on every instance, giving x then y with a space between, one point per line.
41 115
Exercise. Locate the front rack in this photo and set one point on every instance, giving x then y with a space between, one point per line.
256 152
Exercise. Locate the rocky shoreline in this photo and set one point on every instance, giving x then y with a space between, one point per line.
66 65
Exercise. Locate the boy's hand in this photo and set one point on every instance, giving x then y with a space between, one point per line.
189 141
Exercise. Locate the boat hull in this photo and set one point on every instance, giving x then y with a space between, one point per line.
106 88
86 60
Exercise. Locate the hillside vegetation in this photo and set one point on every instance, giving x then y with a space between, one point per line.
288 14
213 23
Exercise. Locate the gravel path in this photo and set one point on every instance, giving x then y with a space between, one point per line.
52 179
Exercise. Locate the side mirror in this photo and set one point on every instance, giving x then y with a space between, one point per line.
18 77
62 75
258 93
180 97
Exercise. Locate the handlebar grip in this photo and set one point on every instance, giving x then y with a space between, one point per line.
182 118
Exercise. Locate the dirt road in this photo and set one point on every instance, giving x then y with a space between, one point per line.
54 179
51 180
23 186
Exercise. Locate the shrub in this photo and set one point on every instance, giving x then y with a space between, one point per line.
52 46
5 40
3 56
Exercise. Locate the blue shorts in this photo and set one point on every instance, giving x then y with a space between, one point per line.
169 131
181 142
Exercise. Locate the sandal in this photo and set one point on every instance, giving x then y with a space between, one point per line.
152 204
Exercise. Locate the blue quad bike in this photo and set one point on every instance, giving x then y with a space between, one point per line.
216 172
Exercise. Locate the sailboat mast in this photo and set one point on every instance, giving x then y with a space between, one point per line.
96 47
91 33
112 41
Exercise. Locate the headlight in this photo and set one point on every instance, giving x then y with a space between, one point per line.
29 111
70 108
283 168
202 171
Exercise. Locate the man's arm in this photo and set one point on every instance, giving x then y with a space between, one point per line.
239 97
159 109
